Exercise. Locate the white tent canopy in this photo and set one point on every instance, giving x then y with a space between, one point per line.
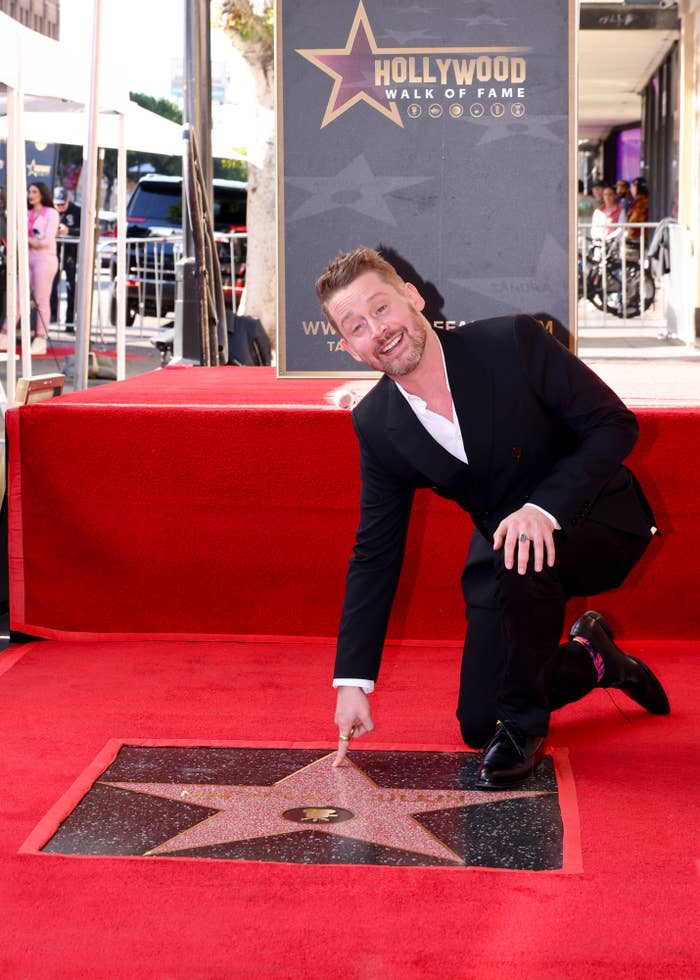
47 94
36 66
40 66
68 123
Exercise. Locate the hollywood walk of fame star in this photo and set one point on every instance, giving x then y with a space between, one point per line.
355 187
416 8
353 73
380 815
483 20
403 37
524 292
535 127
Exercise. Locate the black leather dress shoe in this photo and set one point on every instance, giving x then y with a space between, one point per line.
622 671
511 756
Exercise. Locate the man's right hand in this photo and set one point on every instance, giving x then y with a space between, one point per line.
352 714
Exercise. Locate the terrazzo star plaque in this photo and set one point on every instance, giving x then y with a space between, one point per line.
290 805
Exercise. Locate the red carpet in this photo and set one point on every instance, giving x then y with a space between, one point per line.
629 915
214 490
57 349
210 503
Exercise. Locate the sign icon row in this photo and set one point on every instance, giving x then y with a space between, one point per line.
476 110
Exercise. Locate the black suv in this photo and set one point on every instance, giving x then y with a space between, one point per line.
154 212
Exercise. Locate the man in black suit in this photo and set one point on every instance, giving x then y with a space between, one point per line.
501 418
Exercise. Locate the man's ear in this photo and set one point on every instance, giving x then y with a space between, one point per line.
344 345
415 297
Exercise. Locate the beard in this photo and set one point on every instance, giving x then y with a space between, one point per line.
409 356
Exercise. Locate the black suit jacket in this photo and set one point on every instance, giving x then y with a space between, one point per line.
538 426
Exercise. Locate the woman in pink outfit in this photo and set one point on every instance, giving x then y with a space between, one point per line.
42 227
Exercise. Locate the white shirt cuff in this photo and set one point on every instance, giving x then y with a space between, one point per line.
367 686
555 522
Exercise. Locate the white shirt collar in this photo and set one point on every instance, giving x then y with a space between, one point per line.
416 400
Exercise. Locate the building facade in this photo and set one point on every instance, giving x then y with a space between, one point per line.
38 15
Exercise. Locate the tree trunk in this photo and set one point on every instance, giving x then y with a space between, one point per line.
261 267
249 25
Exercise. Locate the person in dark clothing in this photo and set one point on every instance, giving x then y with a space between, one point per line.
69 226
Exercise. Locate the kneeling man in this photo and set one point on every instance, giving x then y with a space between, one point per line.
499 417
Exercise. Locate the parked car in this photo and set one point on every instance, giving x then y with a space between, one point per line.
107 221
108 224
154 213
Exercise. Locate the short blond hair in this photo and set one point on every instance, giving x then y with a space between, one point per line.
345 268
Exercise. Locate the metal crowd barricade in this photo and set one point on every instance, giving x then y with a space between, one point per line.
616 277
151 284
151 264
64 242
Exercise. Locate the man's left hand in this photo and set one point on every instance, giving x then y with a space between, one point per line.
525 531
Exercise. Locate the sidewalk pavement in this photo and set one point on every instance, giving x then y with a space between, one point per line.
638 360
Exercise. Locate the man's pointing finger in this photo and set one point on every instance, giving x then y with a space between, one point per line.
343 746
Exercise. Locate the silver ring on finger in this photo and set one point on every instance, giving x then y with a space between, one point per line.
523 538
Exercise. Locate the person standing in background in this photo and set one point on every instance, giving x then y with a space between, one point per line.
639 212
42 226
69 218
622 189
608 215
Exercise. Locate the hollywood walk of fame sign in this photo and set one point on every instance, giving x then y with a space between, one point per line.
443 133
290 805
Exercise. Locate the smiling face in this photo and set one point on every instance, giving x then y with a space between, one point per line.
609 198
380 323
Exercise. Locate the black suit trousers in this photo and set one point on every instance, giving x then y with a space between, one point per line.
513 666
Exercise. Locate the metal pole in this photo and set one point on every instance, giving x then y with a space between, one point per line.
189 113
12 181
197 79
203 96
86 251
22 246
196 113
121 249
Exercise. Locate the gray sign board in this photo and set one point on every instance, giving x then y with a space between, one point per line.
442 134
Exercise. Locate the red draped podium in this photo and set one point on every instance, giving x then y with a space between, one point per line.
222 502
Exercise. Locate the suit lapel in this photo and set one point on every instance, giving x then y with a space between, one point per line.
471 384
414 443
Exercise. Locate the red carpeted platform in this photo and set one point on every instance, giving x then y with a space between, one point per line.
188 504
220 503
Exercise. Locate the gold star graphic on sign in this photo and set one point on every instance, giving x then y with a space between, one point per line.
352 68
